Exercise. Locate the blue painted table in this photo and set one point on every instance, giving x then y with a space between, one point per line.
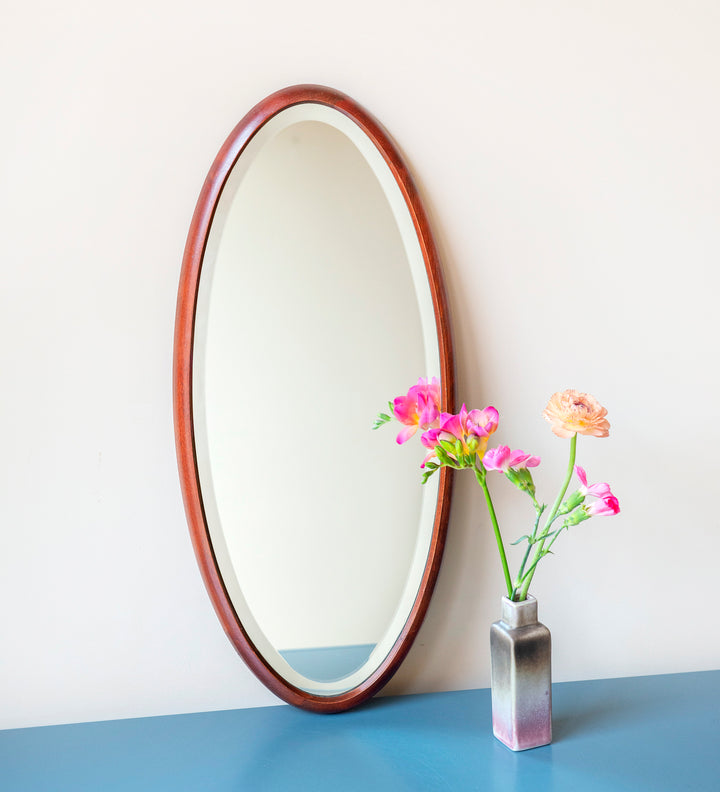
643 733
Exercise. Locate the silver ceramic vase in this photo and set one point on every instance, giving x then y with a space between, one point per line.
521 677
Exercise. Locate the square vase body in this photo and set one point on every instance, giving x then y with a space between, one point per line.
520 651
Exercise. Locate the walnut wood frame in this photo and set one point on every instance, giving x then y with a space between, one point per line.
183 404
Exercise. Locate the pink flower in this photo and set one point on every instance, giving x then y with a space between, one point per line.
601 490
420 407
502 458
472 429
604 507
464 425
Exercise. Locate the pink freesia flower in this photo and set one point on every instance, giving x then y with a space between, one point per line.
472 429
601 490
420 407
604 507
502 458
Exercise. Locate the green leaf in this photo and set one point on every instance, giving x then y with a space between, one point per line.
521 539
381 420
427 474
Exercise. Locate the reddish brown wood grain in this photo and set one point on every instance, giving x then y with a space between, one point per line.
183 406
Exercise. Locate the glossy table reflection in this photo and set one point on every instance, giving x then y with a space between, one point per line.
643 733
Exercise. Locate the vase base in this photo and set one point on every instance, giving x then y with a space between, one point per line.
526 742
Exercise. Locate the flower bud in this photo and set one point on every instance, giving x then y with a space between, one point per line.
578 516
571 503
522 479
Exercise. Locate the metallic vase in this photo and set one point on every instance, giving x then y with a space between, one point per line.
521 677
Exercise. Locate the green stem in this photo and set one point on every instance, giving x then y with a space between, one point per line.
521 572
553 514
531 571
496 528
552 541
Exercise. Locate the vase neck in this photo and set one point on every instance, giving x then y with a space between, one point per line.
519 614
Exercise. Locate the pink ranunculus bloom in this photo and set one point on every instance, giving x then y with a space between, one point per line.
604 507
502 458
476 425
600 490
420 407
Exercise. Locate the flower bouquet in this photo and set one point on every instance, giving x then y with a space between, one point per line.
520 645
460 442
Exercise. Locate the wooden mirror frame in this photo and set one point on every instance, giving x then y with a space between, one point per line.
183 400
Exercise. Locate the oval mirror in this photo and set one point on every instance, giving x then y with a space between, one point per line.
310 294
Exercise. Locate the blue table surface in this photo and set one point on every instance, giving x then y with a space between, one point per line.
638 733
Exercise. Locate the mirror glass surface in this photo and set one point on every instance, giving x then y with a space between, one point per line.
313 309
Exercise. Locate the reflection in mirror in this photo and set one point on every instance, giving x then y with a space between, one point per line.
314 303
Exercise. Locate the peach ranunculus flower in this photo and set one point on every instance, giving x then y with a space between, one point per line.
571 412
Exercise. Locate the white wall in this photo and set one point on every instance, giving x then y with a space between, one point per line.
568 155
